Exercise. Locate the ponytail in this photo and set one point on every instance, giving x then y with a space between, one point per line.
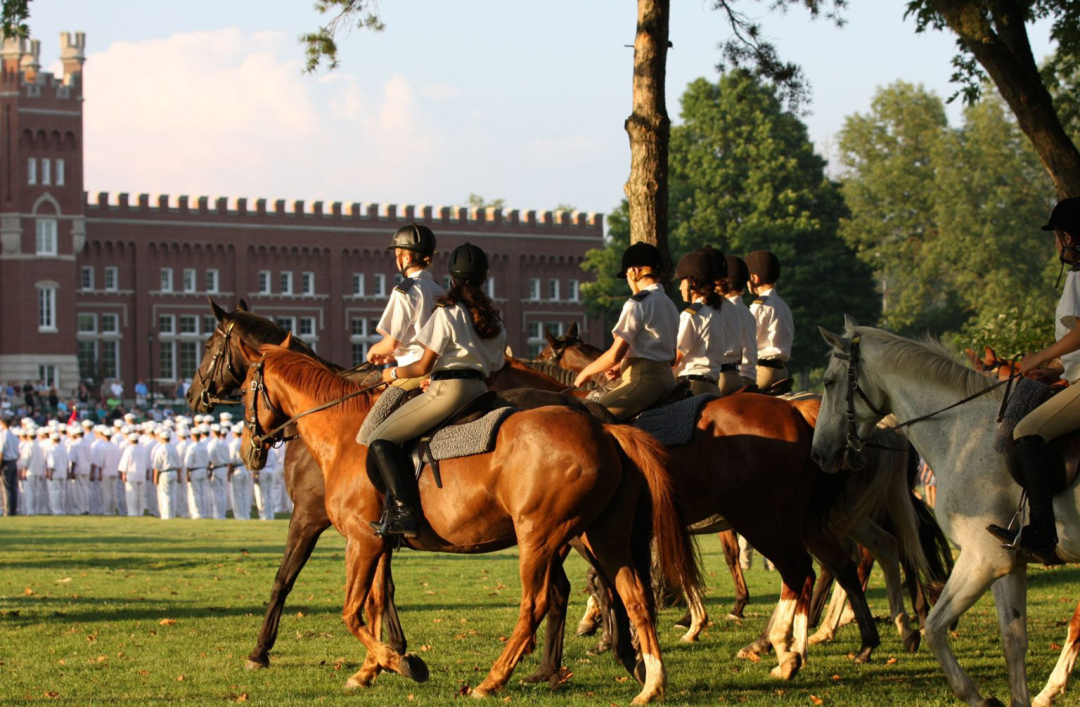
485 318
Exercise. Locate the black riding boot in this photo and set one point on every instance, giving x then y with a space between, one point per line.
402 496
1038 470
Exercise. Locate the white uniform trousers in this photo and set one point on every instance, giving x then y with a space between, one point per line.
240 491
21 509
267 492
36 494
135 490
181 499
58 494
166 494
121 496
218 491
152 499
199 495
93 497
108 504
79 494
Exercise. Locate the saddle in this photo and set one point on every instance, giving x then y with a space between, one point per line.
1027 396
680 392
1066 446
673 425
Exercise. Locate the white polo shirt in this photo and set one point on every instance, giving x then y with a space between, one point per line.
649 322
450 333
411 305
1065 319
775 325
704 339
747 342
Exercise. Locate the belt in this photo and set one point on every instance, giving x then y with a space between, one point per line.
700 379
729 367
456 373
166 471
771 363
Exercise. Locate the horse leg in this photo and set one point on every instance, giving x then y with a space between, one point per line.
698 618
818 598
761 644
304 531
969 580
883 546
790 655
1010 595
395 634
730 542
828 626
536 566
550 668
1060 677
590 620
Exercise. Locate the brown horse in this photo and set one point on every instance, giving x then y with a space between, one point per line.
556 475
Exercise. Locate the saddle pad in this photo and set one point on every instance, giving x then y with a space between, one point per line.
715 523
381 410
673 424
1027 395
476 437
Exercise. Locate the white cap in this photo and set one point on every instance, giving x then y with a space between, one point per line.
182 433
54 435
238 428
129 416
133 437
87 423
225 416
118 422
215 427
164 434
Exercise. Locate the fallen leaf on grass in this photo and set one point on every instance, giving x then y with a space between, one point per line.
61 662
816 700
465 690
91 637
1055 647
753 657
180 678
144 672
410 698
242 697
835 677
299 614
244 552
53 695
622 678
65 580
28 592
890 661
425 648
167 622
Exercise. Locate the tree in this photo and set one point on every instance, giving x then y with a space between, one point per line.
477 201
744 176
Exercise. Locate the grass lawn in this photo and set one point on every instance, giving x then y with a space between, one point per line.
140 611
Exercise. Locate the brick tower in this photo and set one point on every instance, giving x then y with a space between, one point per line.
42 211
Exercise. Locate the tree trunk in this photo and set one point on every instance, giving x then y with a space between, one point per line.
1004 51
649 129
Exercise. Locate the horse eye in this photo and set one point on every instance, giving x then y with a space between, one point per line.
829 383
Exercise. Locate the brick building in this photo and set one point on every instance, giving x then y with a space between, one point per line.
112 285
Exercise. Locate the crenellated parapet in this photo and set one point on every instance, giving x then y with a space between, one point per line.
101 203
20 67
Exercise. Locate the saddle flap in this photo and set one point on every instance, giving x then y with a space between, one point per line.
1066 446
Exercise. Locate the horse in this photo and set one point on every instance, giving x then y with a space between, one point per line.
873 372
570 352
556 475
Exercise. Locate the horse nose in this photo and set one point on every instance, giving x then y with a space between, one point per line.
815 457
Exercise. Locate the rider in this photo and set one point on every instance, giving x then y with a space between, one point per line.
732 288
1040 470
411 303
645 338
732 314
462 343
703 331
775 327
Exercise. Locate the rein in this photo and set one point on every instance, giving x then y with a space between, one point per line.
275 436
855 443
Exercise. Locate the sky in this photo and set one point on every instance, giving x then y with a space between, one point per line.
512 100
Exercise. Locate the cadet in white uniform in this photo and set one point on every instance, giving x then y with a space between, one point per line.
239 478
166 465
218 450
464 343
267 490
775 326
184 500
57 472
149 442
134 471
196 459
704 333
33 464
732 288
645 339
80 450
411 303
9 467
108 471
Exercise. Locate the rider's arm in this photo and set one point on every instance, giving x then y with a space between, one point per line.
609 359
383 349
1065 345
418 369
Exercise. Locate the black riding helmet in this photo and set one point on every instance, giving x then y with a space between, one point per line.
719 261
698 266
640 255
765 265
414 237
468 263
738 274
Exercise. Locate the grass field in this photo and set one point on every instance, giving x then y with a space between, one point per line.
139 611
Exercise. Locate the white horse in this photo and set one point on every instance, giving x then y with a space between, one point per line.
911 379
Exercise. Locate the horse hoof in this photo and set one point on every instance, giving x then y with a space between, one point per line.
352 684
788 669
991 702
688 638
256 665
864 656
542 674
912 642
685 622
479 693
819 638
586 629
414 668
734 617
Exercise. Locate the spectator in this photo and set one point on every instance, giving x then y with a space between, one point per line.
54 400
140 393
117 389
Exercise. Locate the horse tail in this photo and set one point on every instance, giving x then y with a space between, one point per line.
902 508
934 545
676 552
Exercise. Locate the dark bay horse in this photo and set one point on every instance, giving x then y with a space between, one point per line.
556 475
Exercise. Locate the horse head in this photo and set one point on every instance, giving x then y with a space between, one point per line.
263 418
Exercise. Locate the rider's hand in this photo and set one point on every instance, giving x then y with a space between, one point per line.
380 359
611 374
425 384
1029 363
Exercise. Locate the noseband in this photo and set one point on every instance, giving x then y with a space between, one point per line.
222 357
855 444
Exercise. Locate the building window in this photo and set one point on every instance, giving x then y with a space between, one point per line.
556 328
380 285
264 282
110 358
166 324
359 354
110 323
447 282
489 287
307 283
46 173
553 290
166 279
534 288
87 282
46 236
574 293
112 279
189 358
307 326
286 283
209 323
358 284
167 360
59 173
47 374
87 358
47 308
189 279
358 326
31 171
362 335
87 323
286 323
212 281
189 325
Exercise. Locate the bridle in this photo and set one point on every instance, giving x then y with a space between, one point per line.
855 444
222 357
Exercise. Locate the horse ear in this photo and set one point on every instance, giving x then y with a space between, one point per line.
551 338
287 343
972 358
571 331
218 311
251 353
991 357
849 322
243 306
835 340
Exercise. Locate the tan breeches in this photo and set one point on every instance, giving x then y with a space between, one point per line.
731 381
1057 416
768 376
643 382
441 400
704 388
408 384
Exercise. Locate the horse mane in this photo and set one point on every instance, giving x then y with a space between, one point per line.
562 376
930 358
314 377
265 331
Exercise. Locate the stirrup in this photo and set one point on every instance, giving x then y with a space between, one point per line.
1018 520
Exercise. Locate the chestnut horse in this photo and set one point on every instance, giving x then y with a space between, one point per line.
556 475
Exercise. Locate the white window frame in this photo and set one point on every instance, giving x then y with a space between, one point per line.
86 278
553 289
358 284
264 282
166 375
212 281
574 287
489 287
114 272
286 281
47 308
166 279
289 325
312 329
380 285
185 317
170 330
116 348
31 171
307 283
45 229
190 280
59 173
78 324
46 172
534 289
111 317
